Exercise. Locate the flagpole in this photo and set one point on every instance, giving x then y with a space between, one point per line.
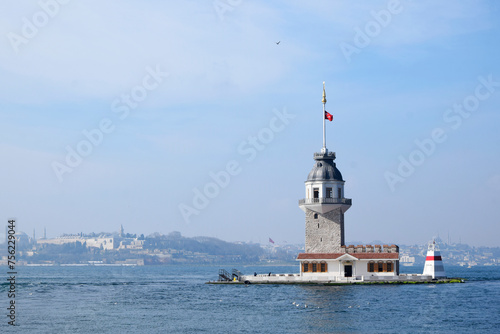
324 150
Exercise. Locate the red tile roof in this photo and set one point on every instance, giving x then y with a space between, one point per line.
325 256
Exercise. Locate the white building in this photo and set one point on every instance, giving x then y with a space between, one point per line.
98 242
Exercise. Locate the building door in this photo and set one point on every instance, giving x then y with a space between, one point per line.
348 271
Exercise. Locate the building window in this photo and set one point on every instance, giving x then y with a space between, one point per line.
316 217
339 192
305 268
318 225
315 267
329 193
316 192
323 267
380 267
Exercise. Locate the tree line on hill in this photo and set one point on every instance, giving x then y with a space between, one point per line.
157 249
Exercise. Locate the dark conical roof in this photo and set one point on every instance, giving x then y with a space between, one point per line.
324 168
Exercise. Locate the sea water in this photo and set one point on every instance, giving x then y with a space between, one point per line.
175 299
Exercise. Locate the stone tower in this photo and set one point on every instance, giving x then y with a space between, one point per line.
325 203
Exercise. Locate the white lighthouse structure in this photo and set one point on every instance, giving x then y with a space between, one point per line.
433 262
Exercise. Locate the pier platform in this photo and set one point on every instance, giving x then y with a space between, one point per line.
332 280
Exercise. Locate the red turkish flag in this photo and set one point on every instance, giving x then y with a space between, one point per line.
328 116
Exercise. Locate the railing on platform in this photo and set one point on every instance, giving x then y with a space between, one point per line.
236 274
224 275
325 200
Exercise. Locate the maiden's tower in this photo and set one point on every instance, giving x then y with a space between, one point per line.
326 255
327 259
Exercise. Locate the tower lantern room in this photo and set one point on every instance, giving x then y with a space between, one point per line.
324 186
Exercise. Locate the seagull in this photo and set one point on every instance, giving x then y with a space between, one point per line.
278 42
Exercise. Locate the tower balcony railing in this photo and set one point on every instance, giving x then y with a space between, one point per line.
325 200
330 155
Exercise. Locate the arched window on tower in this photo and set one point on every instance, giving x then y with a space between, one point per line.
339 192
316 217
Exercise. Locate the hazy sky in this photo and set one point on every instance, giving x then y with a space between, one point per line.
124 112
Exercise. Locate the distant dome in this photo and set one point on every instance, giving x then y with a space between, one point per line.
324 170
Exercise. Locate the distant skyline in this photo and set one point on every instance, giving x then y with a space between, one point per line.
438 239
191 117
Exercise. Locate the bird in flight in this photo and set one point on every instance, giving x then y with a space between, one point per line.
278 42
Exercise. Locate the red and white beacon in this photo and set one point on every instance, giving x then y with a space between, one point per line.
433 262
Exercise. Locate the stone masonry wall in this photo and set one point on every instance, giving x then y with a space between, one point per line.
325 234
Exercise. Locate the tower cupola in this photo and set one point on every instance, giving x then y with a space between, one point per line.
324 169
325 186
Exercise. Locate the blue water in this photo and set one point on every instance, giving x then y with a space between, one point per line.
174 299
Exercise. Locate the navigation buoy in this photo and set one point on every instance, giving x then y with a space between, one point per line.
433 262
